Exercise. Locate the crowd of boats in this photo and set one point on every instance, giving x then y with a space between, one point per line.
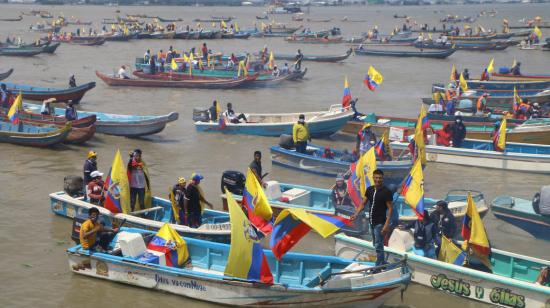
479 105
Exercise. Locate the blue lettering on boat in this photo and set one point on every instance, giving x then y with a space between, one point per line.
189 285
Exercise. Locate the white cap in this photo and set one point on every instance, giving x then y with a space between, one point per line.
95 174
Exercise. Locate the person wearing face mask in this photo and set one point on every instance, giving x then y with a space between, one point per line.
458 132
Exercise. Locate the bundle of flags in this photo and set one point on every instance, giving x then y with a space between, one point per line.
413 189
474 235
255 202
13 113
499 138
346 99
169 242
373 78
293 224
117 187
246 256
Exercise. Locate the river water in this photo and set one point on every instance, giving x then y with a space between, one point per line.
34 269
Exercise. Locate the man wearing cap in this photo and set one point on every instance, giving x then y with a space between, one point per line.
195 198
180 200
365 140
95 188
89 232
90 165
256 167
137 178
445 221
300 134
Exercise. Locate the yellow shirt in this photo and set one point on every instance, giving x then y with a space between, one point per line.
300 132
89 241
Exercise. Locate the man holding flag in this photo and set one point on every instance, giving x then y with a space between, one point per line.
380 199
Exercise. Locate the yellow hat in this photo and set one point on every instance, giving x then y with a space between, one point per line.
92 154
181 180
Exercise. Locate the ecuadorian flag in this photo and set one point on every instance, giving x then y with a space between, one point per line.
354 185
373 78
365 169
346 99
13 113
246 255
255 201
383 148
117 188
450 253
413 189
499 139
293 224
168 241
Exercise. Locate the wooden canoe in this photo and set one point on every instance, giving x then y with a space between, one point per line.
7 74
315 58
309 40
199 83
402 53
61 95
20 52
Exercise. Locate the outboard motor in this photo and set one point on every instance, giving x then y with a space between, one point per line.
541 201
201 115
78 220
234 181
73 185
286 142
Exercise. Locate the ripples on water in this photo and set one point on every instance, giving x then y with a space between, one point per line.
34 268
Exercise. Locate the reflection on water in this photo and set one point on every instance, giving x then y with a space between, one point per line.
34 269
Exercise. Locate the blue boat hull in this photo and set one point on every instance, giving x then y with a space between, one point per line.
538 229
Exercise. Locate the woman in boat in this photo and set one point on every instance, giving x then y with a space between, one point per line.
340 194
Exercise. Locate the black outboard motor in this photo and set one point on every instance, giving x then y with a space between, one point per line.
78 220
201 115
73 185
234 181
286 142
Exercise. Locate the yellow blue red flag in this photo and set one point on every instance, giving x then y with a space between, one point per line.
418 145
474 234
117 187
13 113
246 256
168 241
293 224
346 99
383 148
413 189
450 253
365 169
499 138
255 201
373 79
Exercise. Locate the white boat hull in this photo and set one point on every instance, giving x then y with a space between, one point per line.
227 292
459 281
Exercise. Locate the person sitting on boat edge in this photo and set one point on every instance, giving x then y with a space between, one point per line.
458 132
544 277
70 112
276 72
195 200
229 114
179 195
89 232
327 153
366 139
256 167
484 75
516 69
300 134
94 189
444 135
340 194
380 199
122 74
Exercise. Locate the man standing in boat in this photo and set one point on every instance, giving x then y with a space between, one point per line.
256 167
365 139
300 134
380 199
195 200
445 221
299 58
90 165
459 132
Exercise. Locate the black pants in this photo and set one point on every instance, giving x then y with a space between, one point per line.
139 193
238 118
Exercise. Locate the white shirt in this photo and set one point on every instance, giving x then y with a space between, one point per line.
122 73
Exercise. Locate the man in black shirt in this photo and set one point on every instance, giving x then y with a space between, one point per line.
194 200
380 199
256 167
